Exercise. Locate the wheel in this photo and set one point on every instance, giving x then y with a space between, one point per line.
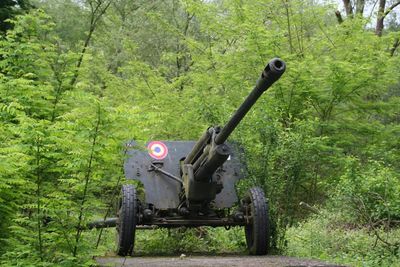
126 223
257 229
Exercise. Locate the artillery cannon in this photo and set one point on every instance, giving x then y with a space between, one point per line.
192 184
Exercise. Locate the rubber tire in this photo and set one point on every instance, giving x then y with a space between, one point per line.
126 225
257 232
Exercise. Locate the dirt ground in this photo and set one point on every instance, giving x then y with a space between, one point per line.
209 261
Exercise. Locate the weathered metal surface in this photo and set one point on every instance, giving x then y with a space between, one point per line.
161 190
109 222
272 72
210 152
173 223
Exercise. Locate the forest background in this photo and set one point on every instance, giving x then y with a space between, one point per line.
80 77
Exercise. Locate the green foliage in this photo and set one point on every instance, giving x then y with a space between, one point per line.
370 192
360 226
47 176
326 237
70 20
9 9
187 241
167 70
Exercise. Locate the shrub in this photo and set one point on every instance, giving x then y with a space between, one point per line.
327 237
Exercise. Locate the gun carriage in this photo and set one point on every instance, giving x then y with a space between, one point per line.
192 184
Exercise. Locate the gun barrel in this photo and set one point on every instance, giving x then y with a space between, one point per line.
272 72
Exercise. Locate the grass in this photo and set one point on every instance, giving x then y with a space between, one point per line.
324 237
165 242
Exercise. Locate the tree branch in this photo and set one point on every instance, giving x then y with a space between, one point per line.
382 13
390 9
396 44
96 14
379 21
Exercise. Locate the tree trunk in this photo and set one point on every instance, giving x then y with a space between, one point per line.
381 17
348 7
360 4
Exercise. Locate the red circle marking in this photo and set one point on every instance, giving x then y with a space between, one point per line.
157 150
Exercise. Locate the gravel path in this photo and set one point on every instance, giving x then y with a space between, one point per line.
210 261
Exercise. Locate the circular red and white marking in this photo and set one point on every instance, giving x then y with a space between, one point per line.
157 150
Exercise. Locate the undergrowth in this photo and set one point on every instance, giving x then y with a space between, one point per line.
327 237
203 240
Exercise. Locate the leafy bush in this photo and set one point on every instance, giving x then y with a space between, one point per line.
360 225
327 237
204 240
370 192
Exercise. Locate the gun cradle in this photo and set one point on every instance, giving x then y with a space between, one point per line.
203 164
